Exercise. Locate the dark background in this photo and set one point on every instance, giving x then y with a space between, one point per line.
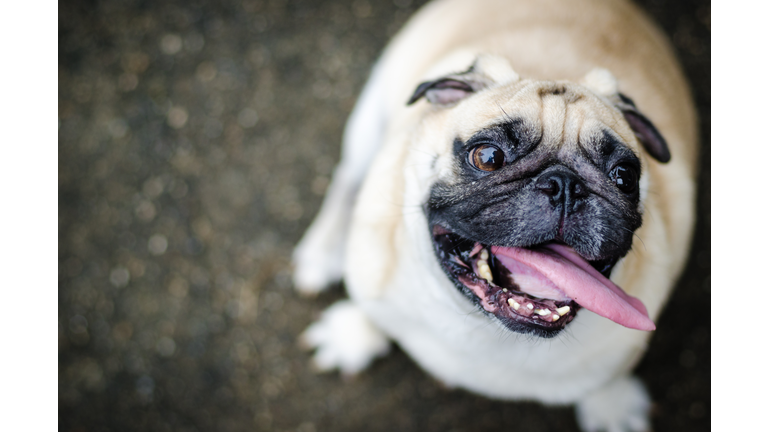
196 140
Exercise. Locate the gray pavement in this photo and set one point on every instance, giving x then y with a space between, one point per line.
196 141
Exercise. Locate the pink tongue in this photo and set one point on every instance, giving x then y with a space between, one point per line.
581 282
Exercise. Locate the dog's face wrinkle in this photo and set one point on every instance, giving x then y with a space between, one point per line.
514 137
607 150
485 205
607 144
444 194
520 132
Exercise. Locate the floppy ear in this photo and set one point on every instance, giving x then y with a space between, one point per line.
604 83
444 91
644 130
487 70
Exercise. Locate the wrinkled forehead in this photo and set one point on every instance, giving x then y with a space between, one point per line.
552 113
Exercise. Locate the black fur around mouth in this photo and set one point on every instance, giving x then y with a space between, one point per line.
464 262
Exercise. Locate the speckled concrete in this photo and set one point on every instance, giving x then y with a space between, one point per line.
195 144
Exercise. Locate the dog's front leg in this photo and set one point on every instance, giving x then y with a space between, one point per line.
319 257
622 405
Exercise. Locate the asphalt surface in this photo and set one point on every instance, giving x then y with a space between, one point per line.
196 141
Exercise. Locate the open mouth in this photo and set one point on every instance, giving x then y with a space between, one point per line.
536 290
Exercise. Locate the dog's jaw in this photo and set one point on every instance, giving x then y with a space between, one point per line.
473 270
534 291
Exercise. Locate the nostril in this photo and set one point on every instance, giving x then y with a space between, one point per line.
579 190
550 187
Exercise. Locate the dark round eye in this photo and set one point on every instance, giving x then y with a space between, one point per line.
486 157
625 178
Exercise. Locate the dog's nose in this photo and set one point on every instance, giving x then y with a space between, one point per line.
562 187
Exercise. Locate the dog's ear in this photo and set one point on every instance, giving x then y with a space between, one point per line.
487 70
444 91
644 130
604 83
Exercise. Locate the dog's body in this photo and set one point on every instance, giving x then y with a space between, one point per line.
485 159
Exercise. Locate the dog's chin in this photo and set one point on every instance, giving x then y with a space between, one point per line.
521 298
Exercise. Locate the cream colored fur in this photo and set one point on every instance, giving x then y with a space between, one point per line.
524 47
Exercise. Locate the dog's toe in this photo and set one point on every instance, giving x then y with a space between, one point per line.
620 406
311 280
316 265
314 272
345 339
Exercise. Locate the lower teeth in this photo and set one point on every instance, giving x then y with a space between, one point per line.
484 271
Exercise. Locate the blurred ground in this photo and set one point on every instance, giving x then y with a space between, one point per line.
195 144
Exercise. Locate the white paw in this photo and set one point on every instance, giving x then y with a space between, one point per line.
620 406
345 339
313 275
316 266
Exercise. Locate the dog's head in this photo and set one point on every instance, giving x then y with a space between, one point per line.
533 192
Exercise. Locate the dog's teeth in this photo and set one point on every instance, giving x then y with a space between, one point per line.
485 273
563 310
555 317
504 289
542 312
515 305
484 270
530 306
484 255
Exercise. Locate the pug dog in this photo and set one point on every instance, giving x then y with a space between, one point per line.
513 205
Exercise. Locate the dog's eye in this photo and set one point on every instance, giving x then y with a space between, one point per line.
486 157
625 178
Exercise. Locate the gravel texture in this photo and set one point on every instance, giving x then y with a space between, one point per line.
196 141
